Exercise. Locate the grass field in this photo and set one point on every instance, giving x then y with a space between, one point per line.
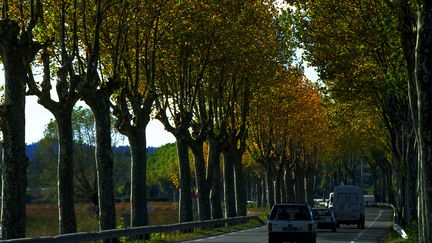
42 219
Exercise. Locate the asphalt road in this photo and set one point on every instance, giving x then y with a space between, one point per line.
378 222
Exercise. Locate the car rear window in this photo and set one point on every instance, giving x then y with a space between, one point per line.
290 212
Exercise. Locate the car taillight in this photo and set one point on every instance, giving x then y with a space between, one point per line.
310 227
269 227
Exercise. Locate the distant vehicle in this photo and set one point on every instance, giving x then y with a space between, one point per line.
291 223
325 218
330 202
251 203
349 207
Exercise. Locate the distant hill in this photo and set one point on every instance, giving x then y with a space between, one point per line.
32 148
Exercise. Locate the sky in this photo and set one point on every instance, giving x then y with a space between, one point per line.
37 117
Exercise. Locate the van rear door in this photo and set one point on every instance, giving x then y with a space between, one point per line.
347 206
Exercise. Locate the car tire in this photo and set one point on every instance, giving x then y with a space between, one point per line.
308 240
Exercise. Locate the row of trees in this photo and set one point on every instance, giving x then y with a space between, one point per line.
375 56
194 65
223 78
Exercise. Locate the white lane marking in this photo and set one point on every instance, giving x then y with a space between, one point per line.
218 236
369 226
198 240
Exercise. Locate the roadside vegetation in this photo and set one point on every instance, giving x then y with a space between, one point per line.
42 220
411 230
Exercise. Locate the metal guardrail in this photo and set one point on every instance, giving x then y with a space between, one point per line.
163 231
396 227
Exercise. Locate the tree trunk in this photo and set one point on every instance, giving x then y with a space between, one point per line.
270 187
259 192
99 103
423 79
264 191
214 164
240 185
201 180
386 186
411 193
185 207
278 184
13 218
229 187
289 185
310 187
67 220
300 186
375 184
284 196
138 197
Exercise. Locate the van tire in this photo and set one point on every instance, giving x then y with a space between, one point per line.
361 223
272 240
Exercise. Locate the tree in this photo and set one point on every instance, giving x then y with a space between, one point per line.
83 141
85 180
183 68
423 115
131 59
71 80
18 50
162 165
242 66
97 95
287 135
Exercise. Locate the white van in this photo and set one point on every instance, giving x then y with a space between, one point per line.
349 207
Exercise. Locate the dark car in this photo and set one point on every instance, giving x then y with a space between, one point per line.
291 223
325 218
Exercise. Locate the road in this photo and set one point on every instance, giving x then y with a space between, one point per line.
378 222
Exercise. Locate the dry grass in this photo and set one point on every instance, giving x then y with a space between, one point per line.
42 219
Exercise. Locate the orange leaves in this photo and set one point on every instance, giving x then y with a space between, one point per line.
288 109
